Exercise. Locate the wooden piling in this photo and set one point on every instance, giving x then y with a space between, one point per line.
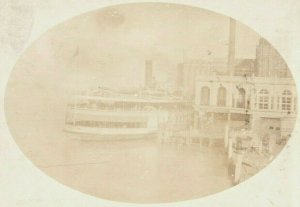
238 167
230 149
226 137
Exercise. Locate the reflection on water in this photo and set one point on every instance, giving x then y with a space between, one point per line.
138 170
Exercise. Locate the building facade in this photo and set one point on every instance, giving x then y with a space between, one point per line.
258 94
265 105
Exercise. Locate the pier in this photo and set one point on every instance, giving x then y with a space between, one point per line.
246 151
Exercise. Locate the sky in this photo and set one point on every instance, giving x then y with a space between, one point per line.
109 46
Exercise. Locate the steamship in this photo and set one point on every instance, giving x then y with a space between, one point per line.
108 113
104 112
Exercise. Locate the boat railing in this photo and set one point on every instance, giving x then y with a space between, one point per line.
138 96
129 109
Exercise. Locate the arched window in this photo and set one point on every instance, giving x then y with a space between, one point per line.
221 96
263 99
241 100
286 100
205 96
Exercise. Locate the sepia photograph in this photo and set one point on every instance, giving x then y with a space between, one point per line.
151 103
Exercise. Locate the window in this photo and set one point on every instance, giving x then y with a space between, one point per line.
241 100
263 99
221 96
205 96
272 101
286 100
101 124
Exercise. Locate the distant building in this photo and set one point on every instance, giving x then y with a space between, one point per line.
244 67
186 79
189 70
269 62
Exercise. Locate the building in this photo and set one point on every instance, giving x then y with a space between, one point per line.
269 62
189 70
244 67
267 105
259 95
186 79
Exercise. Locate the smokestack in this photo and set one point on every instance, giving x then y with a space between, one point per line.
179 76
231 46
148 74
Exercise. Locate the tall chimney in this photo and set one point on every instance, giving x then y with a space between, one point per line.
179 76
148 74
231 46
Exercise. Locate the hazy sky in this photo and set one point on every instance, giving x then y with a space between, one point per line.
111 45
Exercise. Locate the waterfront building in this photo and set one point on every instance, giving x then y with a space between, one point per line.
265 104
258 95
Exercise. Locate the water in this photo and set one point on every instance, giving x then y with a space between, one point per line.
140 170
130 170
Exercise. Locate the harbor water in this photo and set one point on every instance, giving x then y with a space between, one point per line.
137 170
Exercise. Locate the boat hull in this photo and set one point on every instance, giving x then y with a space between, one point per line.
90 133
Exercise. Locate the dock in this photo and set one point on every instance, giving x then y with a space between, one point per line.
246 151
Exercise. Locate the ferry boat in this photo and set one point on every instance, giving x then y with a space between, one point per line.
109 113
